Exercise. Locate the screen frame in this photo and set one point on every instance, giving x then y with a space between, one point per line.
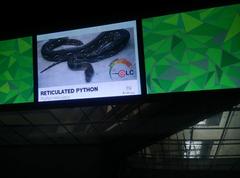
193 93
104 98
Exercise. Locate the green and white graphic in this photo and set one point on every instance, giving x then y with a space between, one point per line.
191 51
16 71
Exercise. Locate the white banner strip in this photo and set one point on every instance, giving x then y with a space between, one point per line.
95 90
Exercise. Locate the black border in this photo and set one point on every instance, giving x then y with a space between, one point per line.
141 58
35 68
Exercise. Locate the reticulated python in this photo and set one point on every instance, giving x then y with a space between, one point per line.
80 57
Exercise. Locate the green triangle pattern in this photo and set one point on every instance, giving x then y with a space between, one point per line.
229 59
173 20
190 22
204 49
16 71
234 29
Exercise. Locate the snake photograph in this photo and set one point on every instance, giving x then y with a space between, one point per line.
80 56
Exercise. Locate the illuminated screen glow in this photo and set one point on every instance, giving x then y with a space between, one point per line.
192 51
91 62
16 71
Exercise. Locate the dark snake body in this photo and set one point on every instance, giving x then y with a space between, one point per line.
106 44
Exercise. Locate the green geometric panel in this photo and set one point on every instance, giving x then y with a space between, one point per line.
191 51
16 71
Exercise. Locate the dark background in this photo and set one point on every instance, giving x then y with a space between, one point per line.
35 17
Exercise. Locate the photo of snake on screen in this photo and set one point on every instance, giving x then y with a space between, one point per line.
70 59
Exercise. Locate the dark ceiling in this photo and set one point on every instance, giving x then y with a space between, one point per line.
36 17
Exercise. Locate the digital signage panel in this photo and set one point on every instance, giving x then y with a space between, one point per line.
92 62
16 71
193 51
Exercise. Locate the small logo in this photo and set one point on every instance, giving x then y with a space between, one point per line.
120 69
122 73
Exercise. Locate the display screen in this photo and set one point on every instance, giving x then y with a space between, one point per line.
16 71
92 62
192 51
